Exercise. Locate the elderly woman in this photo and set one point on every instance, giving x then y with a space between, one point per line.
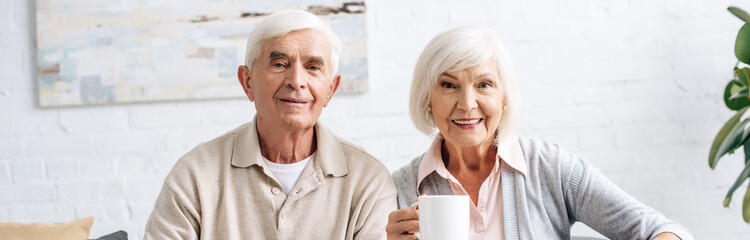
520 188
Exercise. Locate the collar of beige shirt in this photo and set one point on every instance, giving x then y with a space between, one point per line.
508 150
329 159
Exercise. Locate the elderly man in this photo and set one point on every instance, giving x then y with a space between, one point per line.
283 175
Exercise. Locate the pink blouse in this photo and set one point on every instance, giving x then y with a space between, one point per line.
487 214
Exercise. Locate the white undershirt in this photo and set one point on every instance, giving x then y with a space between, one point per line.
287 174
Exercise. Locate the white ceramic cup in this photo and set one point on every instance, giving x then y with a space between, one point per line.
444 217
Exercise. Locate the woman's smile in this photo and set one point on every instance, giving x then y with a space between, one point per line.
467 123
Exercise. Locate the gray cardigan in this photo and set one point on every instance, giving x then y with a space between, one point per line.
559 190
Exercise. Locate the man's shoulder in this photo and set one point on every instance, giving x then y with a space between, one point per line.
352 150
210 154
365 170
360 161
227 138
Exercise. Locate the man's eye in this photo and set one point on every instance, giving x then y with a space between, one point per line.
278 64
314 68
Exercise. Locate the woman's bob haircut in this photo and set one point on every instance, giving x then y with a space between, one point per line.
283 22
454 50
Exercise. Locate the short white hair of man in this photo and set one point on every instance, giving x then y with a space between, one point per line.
283 22
454 50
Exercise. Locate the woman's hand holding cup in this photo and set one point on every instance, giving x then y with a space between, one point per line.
403 223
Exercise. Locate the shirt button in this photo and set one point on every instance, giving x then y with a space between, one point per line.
275 191
283 216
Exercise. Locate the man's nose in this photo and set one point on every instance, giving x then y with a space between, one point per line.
296 77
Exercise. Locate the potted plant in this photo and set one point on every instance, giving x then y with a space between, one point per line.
736 131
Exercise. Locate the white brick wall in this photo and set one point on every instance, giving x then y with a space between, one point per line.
633 86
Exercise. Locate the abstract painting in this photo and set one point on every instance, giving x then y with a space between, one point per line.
121 51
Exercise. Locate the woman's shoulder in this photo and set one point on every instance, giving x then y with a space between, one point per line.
543 155
405 179
408 172
537 147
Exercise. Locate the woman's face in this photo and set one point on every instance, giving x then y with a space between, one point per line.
467 105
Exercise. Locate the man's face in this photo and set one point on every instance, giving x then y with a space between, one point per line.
291 80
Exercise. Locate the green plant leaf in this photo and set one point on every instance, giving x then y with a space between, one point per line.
741 14
727 200
743 76
742 44
746 138
741 179
746 149
736 138
746 206
740 94
724 141
735 81
730 91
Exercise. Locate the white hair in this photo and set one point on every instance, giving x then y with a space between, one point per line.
283 22
454 50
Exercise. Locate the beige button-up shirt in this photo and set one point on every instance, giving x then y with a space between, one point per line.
223 190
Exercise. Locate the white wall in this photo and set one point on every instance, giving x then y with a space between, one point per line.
633 86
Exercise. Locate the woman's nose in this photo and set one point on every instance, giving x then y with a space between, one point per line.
467 101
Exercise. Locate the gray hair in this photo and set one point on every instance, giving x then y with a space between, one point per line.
283 22
454 50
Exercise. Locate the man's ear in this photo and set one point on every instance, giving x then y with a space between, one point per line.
332 89
243 75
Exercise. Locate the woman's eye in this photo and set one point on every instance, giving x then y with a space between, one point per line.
447 85
485 85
